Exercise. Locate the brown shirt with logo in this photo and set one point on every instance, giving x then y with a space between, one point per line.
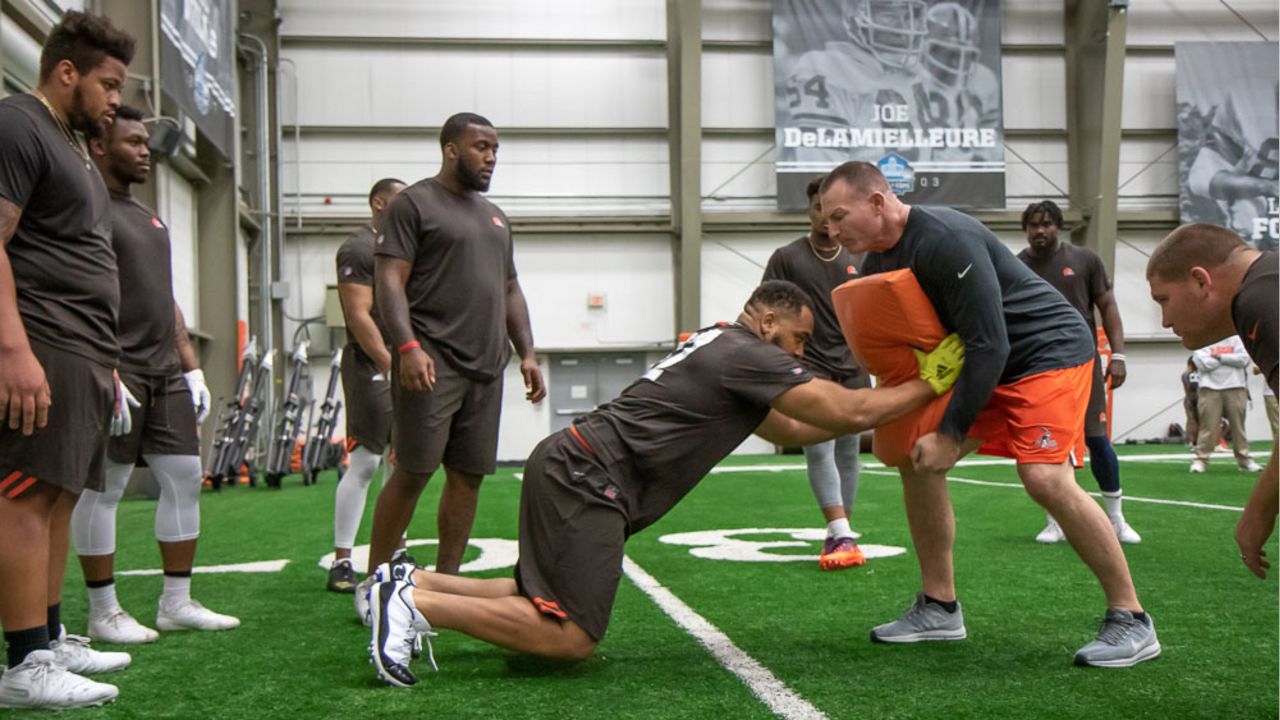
461 253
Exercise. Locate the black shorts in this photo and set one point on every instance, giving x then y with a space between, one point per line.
368 401
572 532
1095 418
68 451
456 422
165 424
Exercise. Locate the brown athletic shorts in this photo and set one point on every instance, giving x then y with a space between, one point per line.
1095 418
572 530
456 422
68 451
164 425
368 401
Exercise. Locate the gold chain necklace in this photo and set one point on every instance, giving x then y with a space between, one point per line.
67 132
818 255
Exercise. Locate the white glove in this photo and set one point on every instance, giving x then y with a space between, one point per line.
122 419
200 396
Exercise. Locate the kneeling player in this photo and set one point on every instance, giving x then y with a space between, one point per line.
623 466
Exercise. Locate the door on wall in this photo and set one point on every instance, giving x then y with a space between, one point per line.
581 381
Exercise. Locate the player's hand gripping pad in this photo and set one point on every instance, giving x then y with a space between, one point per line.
883 317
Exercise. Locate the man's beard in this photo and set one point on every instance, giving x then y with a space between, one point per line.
79 118
472 179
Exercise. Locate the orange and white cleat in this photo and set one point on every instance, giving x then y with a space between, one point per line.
840 553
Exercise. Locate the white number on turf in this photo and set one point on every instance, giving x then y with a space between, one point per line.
732 545
495 553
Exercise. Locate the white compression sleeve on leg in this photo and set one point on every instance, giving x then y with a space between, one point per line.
350 497
178 512
93 522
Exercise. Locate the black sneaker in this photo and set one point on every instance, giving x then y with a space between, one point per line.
401 556
342 579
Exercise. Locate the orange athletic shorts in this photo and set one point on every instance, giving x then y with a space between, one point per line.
1038 419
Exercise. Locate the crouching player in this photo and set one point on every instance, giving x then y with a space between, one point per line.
625 465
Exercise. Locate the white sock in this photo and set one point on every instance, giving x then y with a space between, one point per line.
176 589
102 601
839 528
1112 502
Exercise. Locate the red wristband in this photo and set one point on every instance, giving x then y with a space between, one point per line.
409 346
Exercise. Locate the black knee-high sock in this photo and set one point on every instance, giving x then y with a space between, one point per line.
55 620
22 643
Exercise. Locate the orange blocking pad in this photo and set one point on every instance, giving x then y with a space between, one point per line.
883 317
1039 418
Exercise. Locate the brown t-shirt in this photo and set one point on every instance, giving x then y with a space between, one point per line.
688 412
1255 309
1076 272
63 264
148 343
826 353
355 267
460 250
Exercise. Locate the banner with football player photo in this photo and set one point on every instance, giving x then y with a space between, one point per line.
1228 154
912 85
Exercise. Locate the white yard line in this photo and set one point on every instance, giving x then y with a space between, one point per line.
972 462
780 699
1127 498
262 566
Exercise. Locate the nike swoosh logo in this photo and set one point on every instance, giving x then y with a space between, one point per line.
964 272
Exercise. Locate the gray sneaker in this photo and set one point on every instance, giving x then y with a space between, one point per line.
1123 641
922 621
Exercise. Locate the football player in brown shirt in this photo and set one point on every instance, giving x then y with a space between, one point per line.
1211 285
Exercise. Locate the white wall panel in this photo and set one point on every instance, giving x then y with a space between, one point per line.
400 86
1025 178
1032 22
737 89
1164 22
580 174
602 19
634 272
21 53
737 20
1149 100
749 159
177 209
1034 91
732 265
1149 169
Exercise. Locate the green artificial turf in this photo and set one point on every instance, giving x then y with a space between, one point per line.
300 652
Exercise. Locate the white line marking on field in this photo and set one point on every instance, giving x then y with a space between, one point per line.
263 566
784 702
1127 498
973 462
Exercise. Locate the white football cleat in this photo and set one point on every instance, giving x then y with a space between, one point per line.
1252 467
1051 533
73 653
191 615
1124 533
120 627
399 569
1197 466
40 681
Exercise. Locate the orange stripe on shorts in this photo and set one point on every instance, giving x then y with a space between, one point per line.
549 607
9 480
16 491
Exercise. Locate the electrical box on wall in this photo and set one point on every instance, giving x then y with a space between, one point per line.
595 301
